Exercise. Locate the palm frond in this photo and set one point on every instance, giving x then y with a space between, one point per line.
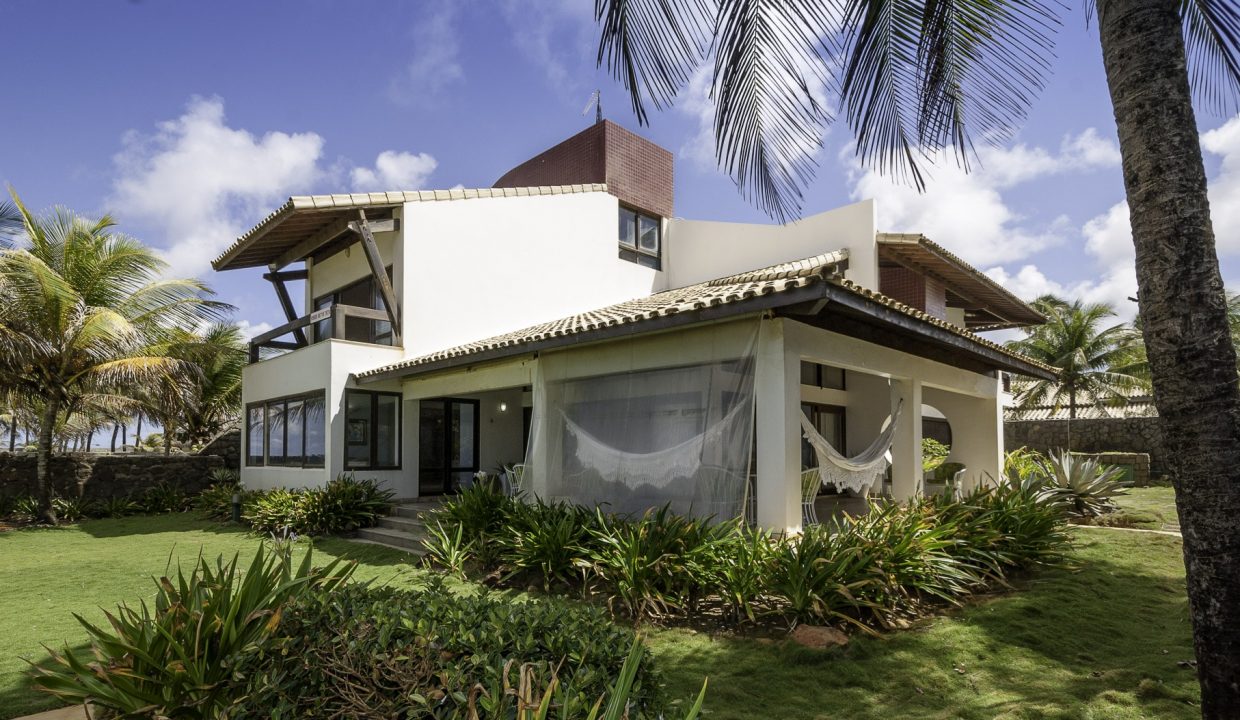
1212 43
770 112
652 46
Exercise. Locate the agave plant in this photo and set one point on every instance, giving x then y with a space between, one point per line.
1085 485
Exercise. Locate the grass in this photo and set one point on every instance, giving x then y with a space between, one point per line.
1099 640
48 574
1150 508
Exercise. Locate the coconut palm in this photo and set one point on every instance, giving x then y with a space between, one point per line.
1097 364
196 410
10 224
917 79
86 319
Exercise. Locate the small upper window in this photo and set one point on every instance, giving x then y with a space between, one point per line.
639 237
822 376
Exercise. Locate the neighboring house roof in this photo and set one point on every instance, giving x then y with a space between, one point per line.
988 305
1138 403
798 283
305 216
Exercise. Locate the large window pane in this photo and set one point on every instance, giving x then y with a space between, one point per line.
464 429
293 420
315 432
357 429
628 228
254 437
387 438
275 433
648 234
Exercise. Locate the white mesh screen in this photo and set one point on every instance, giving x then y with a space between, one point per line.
634 440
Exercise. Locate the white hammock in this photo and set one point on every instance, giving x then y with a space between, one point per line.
852 473
658 468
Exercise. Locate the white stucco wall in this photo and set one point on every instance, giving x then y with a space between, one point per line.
481 267
700 250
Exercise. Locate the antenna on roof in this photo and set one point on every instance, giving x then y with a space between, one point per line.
596 102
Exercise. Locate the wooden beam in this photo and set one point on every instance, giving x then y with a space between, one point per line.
376 268
289 327
287 303
287 275
312 243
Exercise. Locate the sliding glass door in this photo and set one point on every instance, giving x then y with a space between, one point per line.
448 431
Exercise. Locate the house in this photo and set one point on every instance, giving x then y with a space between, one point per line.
566 319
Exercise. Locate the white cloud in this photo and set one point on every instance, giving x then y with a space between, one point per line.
1225 185
435 60
695 102
195 179
1028 282
250 330
556 36
196 183
394 171
967 211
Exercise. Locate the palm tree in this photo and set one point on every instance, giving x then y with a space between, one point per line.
1096 364
220 353
86 320
10 224
919 78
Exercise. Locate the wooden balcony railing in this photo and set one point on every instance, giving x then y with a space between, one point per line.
337 314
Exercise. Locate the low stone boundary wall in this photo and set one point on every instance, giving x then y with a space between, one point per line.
98 477
1102 435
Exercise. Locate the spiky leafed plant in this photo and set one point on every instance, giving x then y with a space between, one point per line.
86 317
917 79
1097 362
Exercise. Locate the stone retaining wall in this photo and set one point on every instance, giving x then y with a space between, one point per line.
227 445
95 476
1124 435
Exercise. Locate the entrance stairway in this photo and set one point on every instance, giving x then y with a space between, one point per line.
403 529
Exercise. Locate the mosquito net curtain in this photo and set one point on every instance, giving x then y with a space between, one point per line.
631 440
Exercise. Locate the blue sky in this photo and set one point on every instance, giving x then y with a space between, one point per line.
191 121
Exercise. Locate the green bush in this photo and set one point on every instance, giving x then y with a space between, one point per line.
70 509
215 502
114 507
481 512
165 497
547 539
181 657
343 505
933 453
432 653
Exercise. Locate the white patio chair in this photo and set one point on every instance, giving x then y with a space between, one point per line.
811 483
515 475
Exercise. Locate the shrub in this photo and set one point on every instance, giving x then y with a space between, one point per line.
481 512
69 509
343 505
215 502
447 548
821 577
165 497
548 539
115 507
738 566
431 653
25 508
178 658
1085 485
933 453
275 511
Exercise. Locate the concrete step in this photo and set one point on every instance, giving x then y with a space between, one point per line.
414 526
396 539
413 510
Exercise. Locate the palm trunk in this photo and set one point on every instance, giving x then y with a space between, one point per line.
137 434
1184 321
1071 415
116 428
13 435
124 436
43 462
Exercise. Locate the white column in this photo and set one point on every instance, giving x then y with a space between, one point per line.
777 383
906 480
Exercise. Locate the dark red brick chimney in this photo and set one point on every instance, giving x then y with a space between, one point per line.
636 171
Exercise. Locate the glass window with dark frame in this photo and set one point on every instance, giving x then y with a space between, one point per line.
372 430
363 293
817 375
639 231
287 432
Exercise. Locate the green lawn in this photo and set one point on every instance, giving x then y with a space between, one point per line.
1099 640
1150 508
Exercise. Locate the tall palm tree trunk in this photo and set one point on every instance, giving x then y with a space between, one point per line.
116 428
1184 321
13 434
43 461
1071 415
137 435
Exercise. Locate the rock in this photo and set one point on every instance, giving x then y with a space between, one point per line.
818 637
